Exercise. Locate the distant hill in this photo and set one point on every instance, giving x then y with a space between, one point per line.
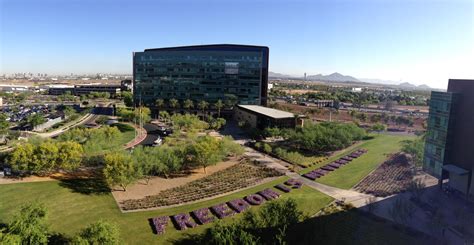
278 75
338 77
334 77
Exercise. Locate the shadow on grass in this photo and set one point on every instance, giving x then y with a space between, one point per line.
88 186
346 227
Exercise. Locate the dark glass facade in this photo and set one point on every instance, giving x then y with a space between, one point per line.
208 72
440 119
449 144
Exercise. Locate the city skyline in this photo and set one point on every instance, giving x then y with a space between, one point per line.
405 41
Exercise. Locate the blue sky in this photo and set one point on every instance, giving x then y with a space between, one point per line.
416 41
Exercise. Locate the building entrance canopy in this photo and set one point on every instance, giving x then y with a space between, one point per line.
455 169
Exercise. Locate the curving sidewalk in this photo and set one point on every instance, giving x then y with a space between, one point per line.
140 136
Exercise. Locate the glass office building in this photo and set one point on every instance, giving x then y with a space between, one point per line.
437 143
227 72
449 153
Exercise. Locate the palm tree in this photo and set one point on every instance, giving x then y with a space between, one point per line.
174 103
164 115
159 103
219 106
188 104
203 105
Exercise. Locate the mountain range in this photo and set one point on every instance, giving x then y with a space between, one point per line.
338 77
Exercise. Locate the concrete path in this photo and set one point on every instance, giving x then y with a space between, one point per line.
349 196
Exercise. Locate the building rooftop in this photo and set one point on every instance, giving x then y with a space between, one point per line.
270 112
210 47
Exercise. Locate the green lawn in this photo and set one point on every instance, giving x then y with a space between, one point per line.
70 211
378 150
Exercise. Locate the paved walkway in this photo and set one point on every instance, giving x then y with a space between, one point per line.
349 196
139 138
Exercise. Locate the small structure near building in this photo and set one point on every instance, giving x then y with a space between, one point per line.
263 117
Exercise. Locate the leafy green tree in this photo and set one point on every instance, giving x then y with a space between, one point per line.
267 148
231 234
69 155
119 170
219 105
229 147
379 127
206 152
35 119
416 149
9 239
4 124
20 157
188 104
30 224
45 157
100 232
171 158
217 123
127 98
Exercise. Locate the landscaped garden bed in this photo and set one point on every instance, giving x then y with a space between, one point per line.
236 177
394 176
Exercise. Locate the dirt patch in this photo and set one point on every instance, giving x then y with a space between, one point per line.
158 184
5 180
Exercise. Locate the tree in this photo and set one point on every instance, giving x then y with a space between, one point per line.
30 224
35 119
217 123
4 124
164 115
7 238
100 232
69 155
174 104
219 105
188 104
231 100
142 113
45 157
160 103
127 98
266 226
267 148
379 127
119 170
203 105
231 234
206 151
415 148
389 104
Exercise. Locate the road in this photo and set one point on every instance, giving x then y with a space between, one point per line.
152 134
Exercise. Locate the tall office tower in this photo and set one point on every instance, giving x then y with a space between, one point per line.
224 72
449 148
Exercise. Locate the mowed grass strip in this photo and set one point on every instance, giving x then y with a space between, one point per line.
70 210
379 148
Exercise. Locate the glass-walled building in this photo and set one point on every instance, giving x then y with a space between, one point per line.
449 153
231 73
438 138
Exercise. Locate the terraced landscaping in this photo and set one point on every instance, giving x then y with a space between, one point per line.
379 149
71 210
393 176
230 179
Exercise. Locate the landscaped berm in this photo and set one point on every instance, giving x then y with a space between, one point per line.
235 189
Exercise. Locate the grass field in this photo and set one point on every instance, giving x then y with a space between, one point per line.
379 148
71 210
